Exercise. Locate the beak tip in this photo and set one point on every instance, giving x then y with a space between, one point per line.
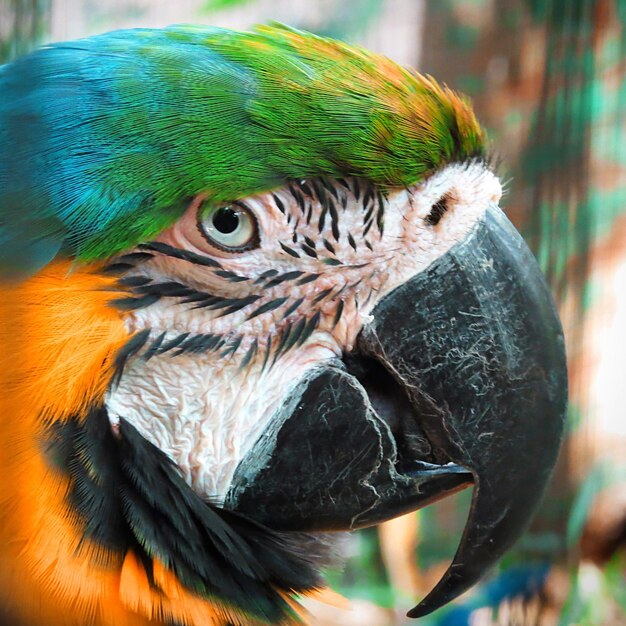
451 585
426 606
417 611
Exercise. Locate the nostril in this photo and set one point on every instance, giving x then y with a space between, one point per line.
437 211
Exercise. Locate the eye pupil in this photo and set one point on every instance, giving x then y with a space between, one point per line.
226 220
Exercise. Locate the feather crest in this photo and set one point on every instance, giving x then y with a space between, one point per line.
103 140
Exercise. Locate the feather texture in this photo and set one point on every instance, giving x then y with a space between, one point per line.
104 531
104 140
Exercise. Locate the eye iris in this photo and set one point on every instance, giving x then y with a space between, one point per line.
226 221
232 228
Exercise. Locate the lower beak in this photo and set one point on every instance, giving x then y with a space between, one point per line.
460 379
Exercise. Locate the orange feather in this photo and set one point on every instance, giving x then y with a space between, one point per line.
58 342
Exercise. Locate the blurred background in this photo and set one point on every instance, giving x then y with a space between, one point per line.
548 80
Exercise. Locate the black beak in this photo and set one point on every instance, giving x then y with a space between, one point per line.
459 379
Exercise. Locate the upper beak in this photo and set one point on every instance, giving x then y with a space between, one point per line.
460 378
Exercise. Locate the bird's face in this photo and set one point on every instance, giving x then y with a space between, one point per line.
330 354
278 284
290 351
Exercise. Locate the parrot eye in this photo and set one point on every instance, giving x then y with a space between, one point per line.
231 228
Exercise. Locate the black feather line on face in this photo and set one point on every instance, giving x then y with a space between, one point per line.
268 306
190 344
146 293
182 344
268 350
199 344
292 307
115 269
308 278
284 336
329 261
380 214
321 223
154 347
368 213
319 190
134 281
231 276
289 251
304 187
321 295
186 343
368 196
329 246
136 342
239 304
126 262
338 313
299 198
327 193
308 250
264 275
212 303
204 343
130 496
201 299
173 343
279 204
134 258
178 253
132 304
252 351
287 276
330 188
296 333
232 347
367 228
334 217
169 289
309 328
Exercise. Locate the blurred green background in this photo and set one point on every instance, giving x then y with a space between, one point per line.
548 80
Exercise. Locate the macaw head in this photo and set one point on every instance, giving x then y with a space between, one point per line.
327 320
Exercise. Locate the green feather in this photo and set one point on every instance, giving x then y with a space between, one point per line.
119 131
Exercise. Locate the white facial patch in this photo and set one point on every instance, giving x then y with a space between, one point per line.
205 413
232 333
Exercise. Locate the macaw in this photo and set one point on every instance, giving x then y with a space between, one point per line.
256 288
